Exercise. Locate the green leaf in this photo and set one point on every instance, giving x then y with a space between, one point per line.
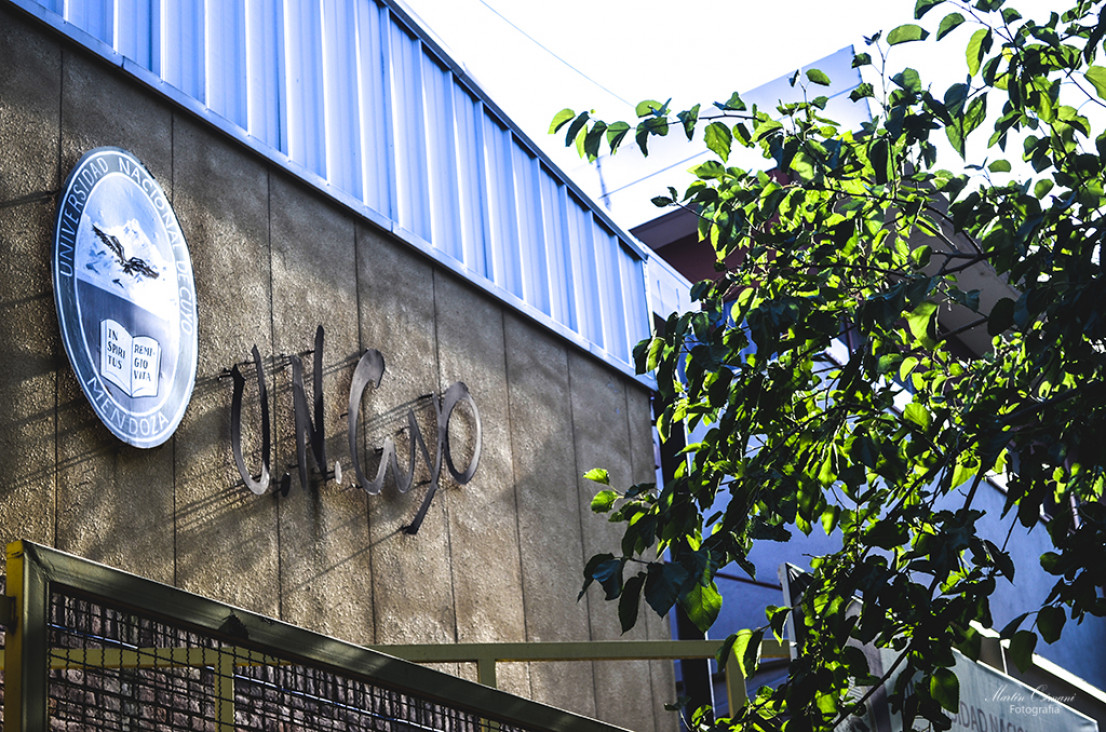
616 132
978 45
913 412
817 76
744 645
630 601
1042 188
594 139
560 119
576 126
944 687
599 475
886 534
977 112
1052 563
920 256
882 164
702 605
1010 628
948 24
734 103
765 128
662 586
1097 76
1001 317
862 59
777 618
601 567
999 166
689 119
906 33
864 89
718 139
964 469
924 6
920 319
603 501
656 345
648 108
1050 621
1021 649
908 365
908 79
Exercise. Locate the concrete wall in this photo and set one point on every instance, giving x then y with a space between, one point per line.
496 559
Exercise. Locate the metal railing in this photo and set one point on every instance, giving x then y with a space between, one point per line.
487 655
98 648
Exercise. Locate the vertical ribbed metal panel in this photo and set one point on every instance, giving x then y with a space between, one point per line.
581 242
531 231
182 46
502 213
634 300
226 61
95 17
342 112
668 291
373 59
558 257
265 72
441 145
609 278
468 115
409 124
346 90
303 84
135 21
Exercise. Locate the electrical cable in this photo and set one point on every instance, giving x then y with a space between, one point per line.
543 47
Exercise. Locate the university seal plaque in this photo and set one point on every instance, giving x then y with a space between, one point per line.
125 296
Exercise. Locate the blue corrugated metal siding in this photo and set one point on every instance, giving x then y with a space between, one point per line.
348 91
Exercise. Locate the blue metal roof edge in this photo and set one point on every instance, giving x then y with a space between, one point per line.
355 206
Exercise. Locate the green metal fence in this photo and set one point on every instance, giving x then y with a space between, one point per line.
486 656
93 648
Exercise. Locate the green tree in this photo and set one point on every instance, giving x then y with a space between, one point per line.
859 231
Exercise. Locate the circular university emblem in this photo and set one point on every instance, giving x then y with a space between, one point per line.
125 296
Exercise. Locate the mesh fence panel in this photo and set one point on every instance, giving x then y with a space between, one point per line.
113 669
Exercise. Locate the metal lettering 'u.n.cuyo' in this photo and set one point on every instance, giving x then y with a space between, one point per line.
310 431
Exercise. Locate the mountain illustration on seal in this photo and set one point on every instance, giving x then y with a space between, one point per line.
122 260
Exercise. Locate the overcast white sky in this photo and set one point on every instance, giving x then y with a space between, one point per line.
691 50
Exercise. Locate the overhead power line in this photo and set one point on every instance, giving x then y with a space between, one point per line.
552 53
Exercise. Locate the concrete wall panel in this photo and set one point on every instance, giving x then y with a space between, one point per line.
324 555
227 537
101 109
551 543
96 473
29 178
412 584
602 437
32 354
29 103
662 674
483 524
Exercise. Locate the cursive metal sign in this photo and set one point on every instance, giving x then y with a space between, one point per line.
310 431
